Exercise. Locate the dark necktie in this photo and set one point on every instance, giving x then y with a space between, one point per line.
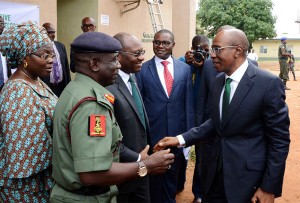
137 100
1 73
225 108
168 77
226 99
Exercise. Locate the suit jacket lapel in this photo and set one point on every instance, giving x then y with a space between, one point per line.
242 90
154 73
218 86
124 90
177 70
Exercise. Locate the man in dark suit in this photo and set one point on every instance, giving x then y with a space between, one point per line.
131 117
250 123
166 88
60 75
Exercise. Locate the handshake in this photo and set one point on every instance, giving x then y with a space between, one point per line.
160 161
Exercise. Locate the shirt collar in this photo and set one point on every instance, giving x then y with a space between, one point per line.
159 60
125 77
238 73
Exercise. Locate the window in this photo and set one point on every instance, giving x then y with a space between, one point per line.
263 49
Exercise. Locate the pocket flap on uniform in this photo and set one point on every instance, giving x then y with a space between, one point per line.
256 164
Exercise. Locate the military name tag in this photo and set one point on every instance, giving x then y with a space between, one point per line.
97 125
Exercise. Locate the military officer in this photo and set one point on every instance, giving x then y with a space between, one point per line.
86 135
283 58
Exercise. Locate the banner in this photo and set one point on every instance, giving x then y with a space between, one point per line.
16 13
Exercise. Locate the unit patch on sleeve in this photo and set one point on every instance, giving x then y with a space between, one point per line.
97 126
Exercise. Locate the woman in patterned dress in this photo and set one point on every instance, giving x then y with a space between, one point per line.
26 115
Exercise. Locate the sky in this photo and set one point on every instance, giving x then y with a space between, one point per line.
286 12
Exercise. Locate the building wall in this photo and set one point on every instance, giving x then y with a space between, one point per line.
272 46
178 16
184 25
70 14
136 21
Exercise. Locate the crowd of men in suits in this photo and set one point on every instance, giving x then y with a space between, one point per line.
239 113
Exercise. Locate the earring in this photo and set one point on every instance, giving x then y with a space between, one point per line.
25 64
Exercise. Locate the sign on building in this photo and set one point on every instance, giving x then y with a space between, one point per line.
16 13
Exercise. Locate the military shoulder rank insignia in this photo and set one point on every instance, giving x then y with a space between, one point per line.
110 98
97 126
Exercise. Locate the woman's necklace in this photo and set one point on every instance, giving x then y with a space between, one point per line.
37 80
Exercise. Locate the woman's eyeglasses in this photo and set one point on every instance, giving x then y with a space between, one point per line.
45 56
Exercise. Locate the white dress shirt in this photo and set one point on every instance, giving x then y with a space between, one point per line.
125 77
160 70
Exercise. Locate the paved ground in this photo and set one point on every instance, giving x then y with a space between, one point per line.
291 187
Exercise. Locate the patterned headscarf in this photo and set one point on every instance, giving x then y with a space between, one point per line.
19 41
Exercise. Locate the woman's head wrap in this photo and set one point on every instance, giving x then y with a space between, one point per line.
19 41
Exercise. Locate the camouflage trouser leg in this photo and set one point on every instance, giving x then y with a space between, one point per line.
283 70
293 70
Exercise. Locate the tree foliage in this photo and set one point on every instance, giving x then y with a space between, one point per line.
254 17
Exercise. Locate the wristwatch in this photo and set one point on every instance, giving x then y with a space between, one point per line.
142 171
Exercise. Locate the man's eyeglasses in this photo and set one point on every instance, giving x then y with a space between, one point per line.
136 54
88 26
216 50
164 43
45 56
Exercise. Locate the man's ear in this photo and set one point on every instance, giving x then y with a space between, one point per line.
239 51
94 64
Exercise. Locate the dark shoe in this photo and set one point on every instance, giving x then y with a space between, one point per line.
295 79
286 88
197 200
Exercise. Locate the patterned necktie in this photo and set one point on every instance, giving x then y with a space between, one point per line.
56 76
168 77
1 73
55 71
226 99
137 100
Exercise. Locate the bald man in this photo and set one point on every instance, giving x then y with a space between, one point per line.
60 75
131 116
250 122
88 24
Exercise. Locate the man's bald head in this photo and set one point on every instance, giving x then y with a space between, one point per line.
234 37
229 50
126 39
88 24
225 27
132 54
50 30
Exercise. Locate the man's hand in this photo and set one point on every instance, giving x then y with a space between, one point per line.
166 142
198 64
189 56
144 153
262 197
159 162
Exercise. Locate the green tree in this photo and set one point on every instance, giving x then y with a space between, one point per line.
254 17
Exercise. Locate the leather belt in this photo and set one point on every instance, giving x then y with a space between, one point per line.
90 191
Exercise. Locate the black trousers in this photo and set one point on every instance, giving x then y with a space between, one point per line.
216 193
